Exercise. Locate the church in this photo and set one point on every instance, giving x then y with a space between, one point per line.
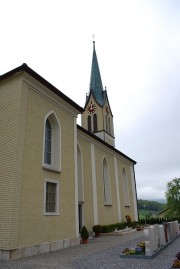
55 175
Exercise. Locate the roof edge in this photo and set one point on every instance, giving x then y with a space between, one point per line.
106 144
24 67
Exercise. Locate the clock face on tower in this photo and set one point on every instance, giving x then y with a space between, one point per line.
107 110
91 108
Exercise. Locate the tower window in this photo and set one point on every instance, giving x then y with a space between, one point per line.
95 123
89 123
108 124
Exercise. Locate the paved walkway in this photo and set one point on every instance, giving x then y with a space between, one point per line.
100 253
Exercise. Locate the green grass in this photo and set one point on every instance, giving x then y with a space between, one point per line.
143 213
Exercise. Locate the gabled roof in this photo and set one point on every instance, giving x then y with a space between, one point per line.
96 86
104 143
163 211
24 67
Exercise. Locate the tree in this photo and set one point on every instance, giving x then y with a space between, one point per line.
173 197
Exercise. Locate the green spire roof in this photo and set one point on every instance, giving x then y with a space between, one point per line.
95 81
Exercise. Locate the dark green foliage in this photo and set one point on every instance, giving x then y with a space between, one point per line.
158 220
134 224
173 198
150 205
119 226
84 233
97 228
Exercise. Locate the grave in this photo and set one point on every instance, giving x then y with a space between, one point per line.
156 238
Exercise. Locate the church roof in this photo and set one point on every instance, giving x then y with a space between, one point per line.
27 69
105 143
96 86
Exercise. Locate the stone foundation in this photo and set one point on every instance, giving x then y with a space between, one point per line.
29 251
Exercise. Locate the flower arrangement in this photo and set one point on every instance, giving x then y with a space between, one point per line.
128 218
176 262
138 250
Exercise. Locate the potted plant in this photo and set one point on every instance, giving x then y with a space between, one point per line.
128 219
84 235
97 229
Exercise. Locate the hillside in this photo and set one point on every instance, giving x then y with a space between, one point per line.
148 209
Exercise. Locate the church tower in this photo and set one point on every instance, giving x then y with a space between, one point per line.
97 117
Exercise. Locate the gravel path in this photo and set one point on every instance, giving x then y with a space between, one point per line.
100 253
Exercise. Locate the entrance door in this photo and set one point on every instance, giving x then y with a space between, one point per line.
80 209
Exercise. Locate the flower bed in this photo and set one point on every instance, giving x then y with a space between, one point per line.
137 253
176 262
138 250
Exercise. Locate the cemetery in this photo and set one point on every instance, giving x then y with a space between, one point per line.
156 238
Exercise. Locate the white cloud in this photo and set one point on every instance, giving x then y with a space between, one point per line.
150 193
138 48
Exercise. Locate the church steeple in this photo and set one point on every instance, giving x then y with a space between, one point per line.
95 81
97 117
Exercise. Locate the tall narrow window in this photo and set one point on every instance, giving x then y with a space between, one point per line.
107 189
108 124
95 123
52 143
80 175
89 123
48 141
126 188
51 197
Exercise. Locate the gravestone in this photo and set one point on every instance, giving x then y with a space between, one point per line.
165 231
169 233
176 225
156 236
162 239
150 244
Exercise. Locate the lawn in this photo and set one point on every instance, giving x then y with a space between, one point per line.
143 213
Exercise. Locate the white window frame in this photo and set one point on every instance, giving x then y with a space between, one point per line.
56 213
126 188
80 175
107 185
56 143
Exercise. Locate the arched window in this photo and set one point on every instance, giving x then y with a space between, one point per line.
126 188
95 123
89 123
107 189
80 187
80 175
52 145
108 124
48 136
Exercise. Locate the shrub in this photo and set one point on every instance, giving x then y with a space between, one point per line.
97 228
84 233
111 227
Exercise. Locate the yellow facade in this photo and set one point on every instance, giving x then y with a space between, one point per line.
26 227
107 214
24 104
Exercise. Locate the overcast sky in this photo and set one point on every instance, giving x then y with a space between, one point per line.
138 49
